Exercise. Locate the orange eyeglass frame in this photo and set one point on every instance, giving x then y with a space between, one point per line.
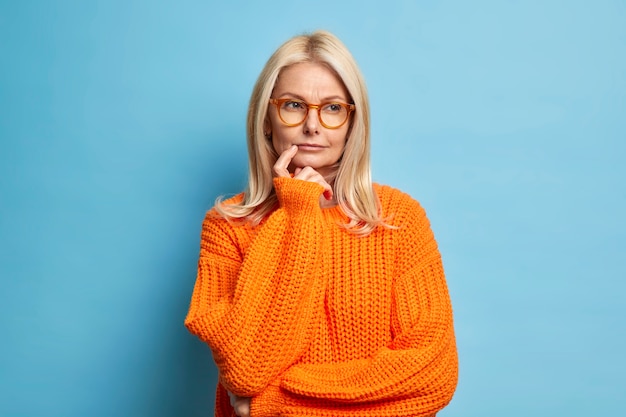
280 101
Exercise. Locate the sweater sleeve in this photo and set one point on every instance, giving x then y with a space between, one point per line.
419 366
257 311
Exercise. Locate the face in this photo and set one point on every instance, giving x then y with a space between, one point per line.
318 146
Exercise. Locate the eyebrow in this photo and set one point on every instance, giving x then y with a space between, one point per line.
325 100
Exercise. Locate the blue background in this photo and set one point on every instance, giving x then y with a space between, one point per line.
121 121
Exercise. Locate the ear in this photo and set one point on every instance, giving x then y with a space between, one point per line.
267 128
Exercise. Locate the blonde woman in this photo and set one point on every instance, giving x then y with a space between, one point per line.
319 292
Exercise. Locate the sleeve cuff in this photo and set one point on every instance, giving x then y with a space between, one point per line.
297 195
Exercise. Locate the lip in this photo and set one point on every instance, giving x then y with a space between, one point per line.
309 147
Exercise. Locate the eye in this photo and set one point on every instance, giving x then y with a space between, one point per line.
333 108
293 105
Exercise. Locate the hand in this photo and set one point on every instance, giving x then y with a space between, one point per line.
241 405
281 169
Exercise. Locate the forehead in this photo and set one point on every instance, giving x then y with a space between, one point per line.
309 79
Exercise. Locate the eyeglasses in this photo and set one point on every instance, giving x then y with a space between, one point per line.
293 112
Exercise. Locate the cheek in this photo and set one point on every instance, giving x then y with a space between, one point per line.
280 141
339 139
275 143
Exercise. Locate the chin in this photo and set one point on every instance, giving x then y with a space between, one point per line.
308 162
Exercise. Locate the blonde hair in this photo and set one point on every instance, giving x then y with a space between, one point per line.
352 185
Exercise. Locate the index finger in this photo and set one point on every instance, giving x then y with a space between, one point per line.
282 163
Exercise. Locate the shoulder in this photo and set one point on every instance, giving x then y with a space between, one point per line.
222 235
393 200
398 207
236 199
214 219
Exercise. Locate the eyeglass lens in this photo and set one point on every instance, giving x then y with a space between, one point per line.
330 114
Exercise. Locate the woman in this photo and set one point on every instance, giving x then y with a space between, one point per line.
318 292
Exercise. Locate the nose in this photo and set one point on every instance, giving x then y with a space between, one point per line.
312 122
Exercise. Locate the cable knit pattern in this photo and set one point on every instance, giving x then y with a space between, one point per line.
312 320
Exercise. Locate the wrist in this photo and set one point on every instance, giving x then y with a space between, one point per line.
298 195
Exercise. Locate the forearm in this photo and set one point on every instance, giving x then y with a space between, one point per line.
421 360
276 400
387 375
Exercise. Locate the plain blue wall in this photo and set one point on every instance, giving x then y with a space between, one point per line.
121 121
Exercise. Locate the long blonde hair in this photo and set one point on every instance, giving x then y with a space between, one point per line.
353 184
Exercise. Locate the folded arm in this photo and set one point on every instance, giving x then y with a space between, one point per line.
420 363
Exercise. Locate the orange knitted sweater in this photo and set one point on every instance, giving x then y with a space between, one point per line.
309 319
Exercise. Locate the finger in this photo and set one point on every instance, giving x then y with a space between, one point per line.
308 174
282 163
242 407
311 175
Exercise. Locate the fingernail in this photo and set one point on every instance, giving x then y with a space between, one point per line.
328 195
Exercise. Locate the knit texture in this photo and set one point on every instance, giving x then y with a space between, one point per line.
312 320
